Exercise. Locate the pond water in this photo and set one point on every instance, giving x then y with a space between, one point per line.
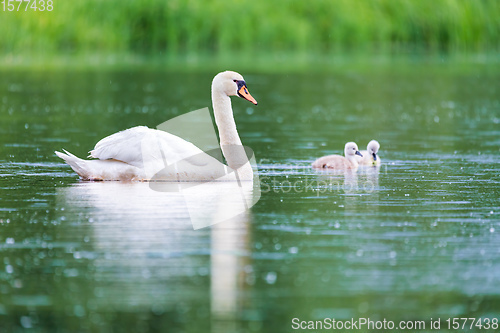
414 240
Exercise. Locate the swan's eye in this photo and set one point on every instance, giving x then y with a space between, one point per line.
235 81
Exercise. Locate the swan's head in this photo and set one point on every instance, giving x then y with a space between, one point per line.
351 149
232 84
372 148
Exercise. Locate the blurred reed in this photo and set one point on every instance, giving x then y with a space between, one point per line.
217 27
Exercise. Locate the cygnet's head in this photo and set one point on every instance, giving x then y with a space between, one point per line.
351 149
232 84
372 148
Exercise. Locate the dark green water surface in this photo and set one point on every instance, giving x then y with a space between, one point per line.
415 240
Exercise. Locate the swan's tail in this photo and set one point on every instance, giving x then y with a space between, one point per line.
77 164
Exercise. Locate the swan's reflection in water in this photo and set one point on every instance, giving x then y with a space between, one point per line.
230 256
145 255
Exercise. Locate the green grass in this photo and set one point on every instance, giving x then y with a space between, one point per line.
184 31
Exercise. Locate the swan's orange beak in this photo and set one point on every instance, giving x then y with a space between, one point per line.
243 92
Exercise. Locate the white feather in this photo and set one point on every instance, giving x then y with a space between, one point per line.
142 153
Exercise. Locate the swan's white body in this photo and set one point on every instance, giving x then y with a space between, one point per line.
370 156
141 153
338 162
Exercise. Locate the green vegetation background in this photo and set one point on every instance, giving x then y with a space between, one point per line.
258 32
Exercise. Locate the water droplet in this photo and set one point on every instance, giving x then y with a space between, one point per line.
9 269
79 311
271 277
26 322
392 254
293 250
18 283
157 309
492 229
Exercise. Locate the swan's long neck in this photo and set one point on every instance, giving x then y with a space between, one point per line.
230 141
224 119
352 159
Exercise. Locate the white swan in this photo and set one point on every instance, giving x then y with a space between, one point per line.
370 157
340 162
141 153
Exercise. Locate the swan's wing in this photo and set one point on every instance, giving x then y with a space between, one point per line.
330 161
139 145
123 146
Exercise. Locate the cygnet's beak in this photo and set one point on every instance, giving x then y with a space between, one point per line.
374 156
358 153
243 92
